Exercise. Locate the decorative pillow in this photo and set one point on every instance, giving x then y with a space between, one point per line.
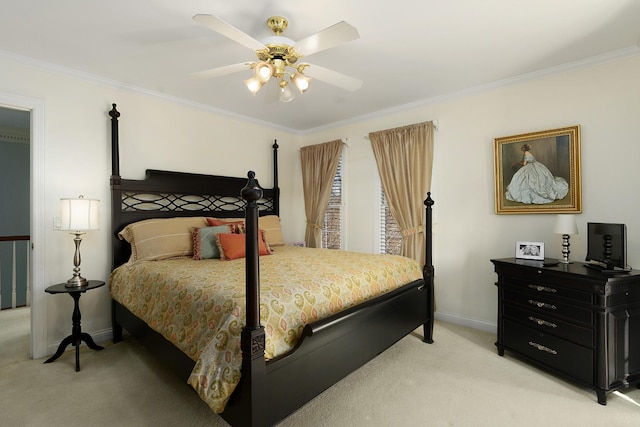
269 223
237 226
161 238
272 231
204 242
232 246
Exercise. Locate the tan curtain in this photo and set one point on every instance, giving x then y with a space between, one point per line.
405 158
319 167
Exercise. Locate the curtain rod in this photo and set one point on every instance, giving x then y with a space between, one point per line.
345 142
436 127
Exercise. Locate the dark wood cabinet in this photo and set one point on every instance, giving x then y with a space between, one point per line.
571 320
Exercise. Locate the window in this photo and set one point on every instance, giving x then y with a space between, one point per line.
332 225
390 233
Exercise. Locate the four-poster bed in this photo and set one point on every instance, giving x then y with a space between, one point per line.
328 348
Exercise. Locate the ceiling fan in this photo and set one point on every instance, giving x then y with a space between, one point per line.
278 56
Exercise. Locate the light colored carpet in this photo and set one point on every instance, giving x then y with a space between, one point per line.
457 381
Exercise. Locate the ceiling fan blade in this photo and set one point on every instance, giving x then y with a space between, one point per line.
228 30
332 36
220 71
333 77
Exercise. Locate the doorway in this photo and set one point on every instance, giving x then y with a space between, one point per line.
15 173
34 108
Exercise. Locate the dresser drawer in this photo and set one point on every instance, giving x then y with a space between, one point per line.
569 358
550 306
550 324
545 284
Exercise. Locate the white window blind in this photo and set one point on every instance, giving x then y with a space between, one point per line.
390 233
332 226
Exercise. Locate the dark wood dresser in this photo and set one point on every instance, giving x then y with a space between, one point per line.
571 320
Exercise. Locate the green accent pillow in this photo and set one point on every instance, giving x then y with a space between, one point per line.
204 242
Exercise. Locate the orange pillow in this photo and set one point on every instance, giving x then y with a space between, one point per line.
236 226
232 246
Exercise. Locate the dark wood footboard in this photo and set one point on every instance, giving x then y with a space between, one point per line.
335 347
329 350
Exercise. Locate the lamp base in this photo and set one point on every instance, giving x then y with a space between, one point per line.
76 282
565 249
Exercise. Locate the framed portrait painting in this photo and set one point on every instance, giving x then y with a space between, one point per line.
538 172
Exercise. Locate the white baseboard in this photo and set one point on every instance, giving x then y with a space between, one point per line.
469 322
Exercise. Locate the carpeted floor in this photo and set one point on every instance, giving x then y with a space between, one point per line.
457 381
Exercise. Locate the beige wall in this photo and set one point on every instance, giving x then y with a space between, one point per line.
155 133
604 100
163 134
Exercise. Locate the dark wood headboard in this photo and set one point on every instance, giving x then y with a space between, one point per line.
166 194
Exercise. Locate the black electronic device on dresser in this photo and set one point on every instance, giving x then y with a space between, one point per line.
571 320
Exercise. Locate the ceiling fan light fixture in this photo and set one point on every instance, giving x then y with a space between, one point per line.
285 94
279 66
278 56
301 81
263 71
253 84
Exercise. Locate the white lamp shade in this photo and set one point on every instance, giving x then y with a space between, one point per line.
79 214
566 224
253 84
301 81
263 71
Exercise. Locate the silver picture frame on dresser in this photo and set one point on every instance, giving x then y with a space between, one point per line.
530 250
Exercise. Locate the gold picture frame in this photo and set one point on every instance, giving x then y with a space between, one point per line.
538 172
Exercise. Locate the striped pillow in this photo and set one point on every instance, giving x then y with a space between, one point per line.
162 238
272 231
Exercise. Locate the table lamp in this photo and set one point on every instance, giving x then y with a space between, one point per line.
566 225
78 215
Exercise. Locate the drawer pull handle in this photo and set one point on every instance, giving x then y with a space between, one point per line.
542 347
541 288
542 322
542 304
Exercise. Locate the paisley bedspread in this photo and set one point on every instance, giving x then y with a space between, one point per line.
200 305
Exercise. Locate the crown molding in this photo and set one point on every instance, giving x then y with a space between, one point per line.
92 78
572 66
593 61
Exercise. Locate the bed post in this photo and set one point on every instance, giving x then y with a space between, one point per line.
115 150
276 189
252 384
115 182
428 271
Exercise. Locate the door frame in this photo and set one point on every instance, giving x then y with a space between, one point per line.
37 273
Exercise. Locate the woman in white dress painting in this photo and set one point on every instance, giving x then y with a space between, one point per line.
534 183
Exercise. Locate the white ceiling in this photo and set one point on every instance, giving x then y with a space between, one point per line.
409 51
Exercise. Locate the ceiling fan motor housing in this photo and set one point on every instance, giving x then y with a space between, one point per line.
278 55
279 50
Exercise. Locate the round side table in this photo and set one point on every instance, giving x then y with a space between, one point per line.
77 336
